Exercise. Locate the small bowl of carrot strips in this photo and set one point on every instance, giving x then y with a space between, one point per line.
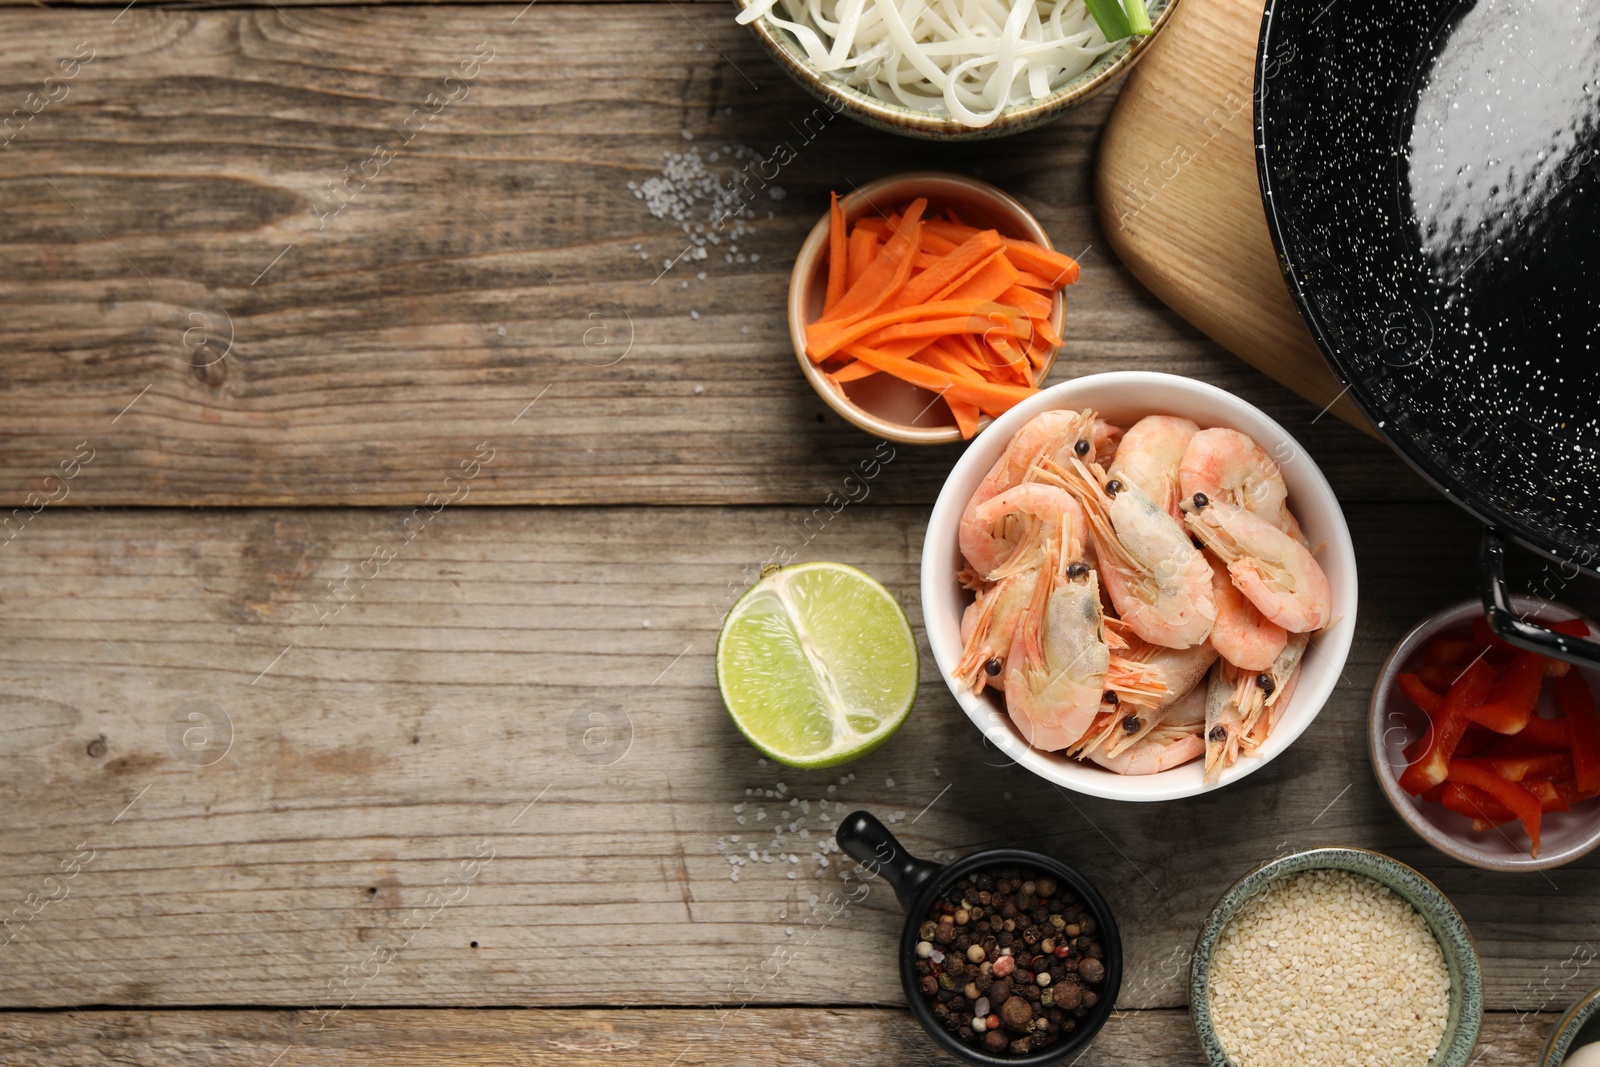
923 305
1489 752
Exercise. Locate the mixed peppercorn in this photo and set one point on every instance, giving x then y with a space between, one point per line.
1008 961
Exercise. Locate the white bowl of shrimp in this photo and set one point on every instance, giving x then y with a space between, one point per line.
1147 593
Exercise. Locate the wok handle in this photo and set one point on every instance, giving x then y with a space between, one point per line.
1505 623
868 840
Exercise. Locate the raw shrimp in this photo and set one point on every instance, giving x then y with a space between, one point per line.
1160 750
1242 635
1227 465
988 627
1008 534
1276 572
1046 435
1263 704
1224 723
1056 669
1149 455
1158 581
1179 671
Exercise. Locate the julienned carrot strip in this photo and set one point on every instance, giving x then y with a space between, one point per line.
940 357
951 231
987 283
1055 268
1036 259
838 257
853 371
941 305
862 250
1031 304
966 414
949 269
1041 323
992 365
824 338
941 328
990 398
883 278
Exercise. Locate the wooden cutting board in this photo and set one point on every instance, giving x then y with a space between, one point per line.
1178 197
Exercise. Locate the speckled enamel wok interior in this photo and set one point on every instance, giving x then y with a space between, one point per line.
1431 175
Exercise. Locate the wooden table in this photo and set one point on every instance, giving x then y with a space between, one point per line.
357 613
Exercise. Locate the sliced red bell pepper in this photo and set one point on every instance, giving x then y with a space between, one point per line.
1570 792
1547 733
1432 766
1447 652
1513 696
1551 766
1550 798
1439 679
1522 803
1418 693
1475 804
1435 793
1576 702
1475 740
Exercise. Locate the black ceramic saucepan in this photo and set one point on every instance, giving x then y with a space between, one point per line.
1431 177
918 884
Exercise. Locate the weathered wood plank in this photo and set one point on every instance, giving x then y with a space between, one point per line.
340 851
531 1038
179 197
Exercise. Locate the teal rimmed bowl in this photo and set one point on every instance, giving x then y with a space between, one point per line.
1455 941
1578 1026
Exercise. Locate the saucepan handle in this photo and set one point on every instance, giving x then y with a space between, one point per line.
870 842
1519 631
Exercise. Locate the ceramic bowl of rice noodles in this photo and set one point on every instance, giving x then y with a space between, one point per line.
955 69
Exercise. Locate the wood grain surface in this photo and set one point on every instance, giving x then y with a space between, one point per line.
529 693
168 204
871 1037
421 781
1180 203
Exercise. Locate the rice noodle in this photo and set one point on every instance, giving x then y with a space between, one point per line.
969 58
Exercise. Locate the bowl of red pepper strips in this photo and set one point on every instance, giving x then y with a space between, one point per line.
1489 752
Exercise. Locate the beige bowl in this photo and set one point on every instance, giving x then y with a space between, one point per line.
882 404
865 108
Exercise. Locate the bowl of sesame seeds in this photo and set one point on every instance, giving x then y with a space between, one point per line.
1335 957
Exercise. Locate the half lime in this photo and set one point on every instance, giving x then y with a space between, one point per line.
817 664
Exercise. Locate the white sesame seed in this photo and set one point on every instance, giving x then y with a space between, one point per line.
1320 959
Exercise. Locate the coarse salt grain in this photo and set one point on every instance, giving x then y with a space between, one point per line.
1329 967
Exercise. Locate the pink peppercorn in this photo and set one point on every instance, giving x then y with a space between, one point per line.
1004 966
